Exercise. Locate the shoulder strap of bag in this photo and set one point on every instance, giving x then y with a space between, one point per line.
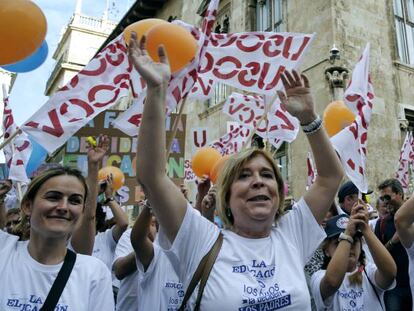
375 290
60 282
202 272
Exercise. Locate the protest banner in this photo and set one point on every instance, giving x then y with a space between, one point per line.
122 151
350 143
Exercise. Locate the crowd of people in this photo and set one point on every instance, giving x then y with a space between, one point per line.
59 252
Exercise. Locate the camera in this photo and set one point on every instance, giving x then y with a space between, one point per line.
102 186
334 53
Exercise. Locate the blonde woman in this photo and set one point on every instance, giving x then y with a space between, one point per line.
260 264
53 204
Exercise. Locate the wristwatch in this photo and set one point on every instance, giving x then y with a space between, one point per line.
346 237
109 199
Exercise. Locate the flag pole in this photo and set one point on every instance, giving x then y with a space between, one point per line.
10 138
264 117
175 127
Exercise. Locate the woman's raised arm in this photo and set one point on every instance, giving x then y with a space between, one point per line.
299 103
167 199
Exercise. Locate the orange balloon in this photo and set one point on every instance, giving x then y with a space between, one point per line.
179 44
22 30
118 178
204 160
141 28
217 168
336 117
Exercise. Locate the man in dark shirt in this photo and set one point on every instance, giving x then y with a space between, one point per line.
392 194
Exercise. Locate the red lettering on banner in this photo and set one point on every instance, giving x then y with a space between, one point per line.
25 145
249 49
123 80
56 130
226 59
80 103
96 72
204 139
351 164
275 80
115 62
302 47
209 65
255 68
93 91
206 89
354 129
135 119
287 124
277 40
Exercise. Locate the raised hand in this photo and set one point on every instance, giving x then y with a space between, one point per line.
358 220
155 74
203 185
298 100
108 189
96 154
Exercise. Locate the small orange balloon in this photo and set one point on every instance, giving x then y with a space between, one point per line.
118 178
204 160
141 28
336 117
179 44
22 30
217 168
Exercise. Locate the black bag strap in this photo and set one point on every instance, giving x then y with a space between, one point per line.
60 282
202 272
375 290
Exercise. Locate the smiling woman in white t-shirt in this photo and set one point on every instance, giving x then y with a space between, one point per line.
53 203
260 264
347 282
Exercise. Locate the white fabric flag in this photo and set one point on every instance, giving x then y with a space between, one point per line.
248 111
406 158
94 89
18 151
231 142
350 143
253 61
181 82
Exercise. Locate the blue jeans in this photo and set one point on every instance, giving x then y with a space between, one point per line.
398 299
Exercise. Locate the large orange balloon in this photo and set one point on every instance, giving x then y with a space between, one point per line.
217 168
141 28
204 160
22 30
336 117
180 45
118 178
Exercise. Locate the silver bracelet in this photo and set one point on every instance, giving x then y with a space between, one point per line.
147 205
312 127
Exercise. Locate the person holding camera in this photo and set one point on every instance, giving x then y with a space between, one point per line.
347 281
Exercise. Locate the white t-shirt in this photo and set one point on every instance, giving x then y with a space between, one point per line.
410 253
25 283
104 247
128 289
249 274
350 297
159 286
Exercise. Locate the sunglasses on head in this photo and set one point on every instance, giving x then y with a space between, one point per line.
385 198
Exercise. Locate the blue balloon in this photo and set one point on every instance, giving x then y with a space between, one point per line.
37 157
30 63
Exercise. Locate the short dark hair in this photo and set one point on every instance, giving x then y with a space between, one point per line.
394 184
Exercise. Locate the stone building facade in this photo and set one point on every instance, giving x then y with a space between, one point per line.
388 25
